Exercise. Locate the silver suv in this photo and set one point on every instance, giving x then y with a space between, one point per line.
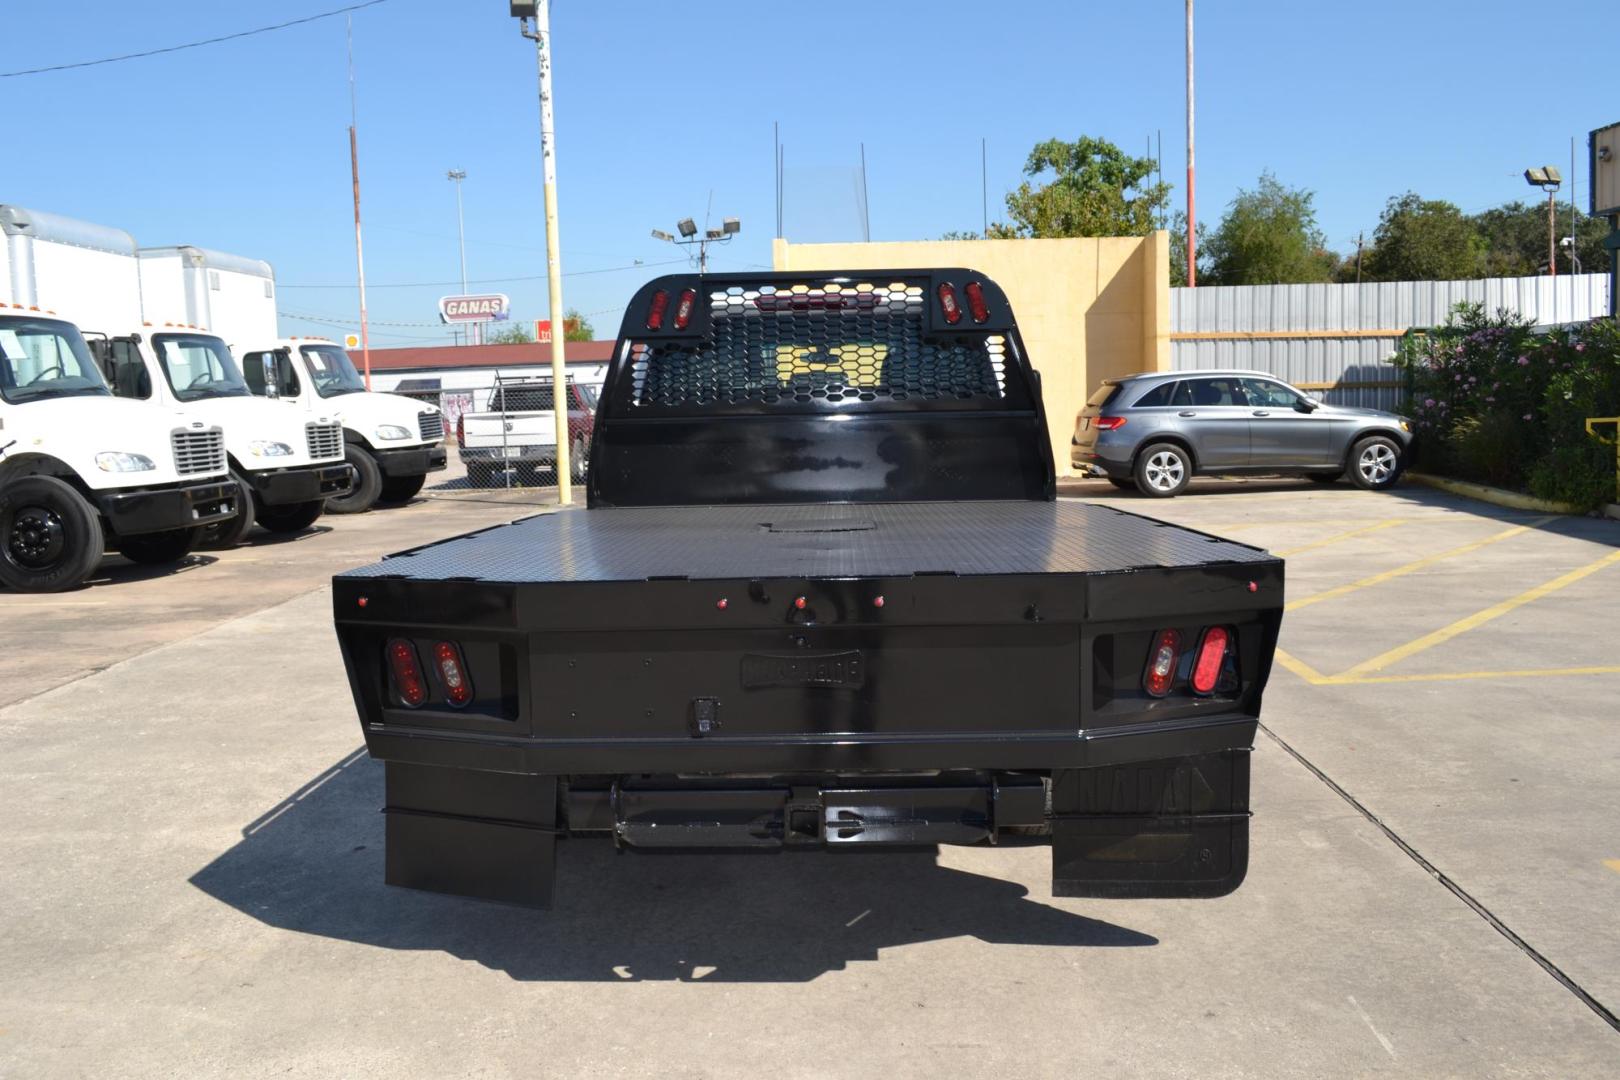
1155 431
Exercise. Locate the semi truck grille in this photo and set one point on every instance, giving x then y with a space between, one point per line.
431 425
198 451
325 440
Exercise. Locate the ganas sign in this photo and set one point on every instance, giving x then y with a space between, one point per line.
495 307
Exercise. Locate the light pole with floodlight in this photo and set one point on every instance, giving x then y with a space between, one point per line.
688 229
1548 179
457 176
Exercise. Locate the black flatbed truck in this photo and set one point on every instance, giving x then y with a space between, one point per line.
824 596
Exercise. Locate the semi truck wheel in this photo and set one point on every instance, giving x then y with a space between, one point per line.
227 534
398 489
368 483
159 548
50 537
290 519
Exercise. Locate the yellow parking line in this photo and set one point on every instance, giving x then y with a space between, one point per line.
1316 678
1446 676
1302 669
1375 527
1612 864
1479 618
1411 567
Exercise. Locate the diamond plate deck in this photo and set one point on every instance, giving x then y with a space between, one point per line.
813 541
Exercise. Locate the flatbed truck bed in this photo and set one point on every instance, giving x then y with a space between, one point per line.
760 670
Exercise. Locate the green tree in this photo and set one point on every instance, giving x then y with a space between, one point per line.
512 334
1515 237
577 327
1086 188
1268 236
1424 240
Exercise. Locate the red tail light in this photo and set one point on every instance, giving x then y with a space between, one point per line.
1211 658
655 313
461 432
975 298
683 309
948 303
407 674
1162 660
1108 423
453 675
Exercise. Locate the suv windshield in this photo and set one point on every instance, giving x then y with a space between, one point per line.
332 371
198 366
42 358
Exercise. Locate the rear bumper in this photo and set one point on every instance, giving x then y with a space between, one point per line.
131 513
1101 459
286 487
411 460
495 455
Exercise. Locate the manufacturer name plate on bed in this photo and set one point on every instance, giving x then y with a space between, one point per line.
846 670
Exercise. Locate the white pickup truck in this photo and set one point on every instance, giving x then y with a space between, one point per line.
81 469
514 438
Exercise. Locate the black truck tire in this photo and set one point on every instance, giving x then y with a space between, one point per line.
50 536
290 519
368 484
227 534
1375 463
1163 470
399 489
576 461
158 548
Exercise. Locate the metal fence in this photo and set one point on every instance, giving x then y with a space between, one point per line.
1337 340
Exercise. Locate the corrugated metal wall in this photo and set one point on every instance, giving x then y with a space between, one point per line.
1253 326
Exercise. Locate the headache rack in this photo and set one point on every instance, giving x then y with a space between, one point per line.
878 386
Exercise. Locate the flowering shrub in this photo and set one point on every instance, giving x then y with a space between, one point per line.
1495 401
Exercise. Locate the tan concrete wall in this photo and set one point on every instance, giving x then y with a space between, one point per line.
1088 308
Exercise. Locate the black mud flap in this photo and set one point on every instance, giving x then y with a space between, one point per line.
492 836
1172 828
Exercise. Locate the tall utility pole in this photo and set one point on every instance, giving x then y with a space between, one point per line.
1358 257
359 248
457 176
1192 216
540 33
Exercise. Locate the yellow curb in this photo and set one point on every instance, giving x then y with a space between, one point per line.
1496 496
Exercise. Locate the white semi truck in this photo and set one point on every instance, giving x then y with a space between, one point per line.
391 442
81 470
138 324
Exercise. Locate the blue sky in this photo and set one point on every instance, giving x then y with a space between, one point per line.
243 146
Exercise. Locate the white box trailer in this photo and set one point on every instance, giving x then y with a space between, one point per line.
284 464
232 296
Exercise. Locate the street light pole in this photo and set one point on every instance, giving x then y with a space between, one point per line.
458 175
1192 216
540 33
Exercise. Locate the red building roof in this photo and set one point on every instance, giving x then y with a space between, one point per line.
439 357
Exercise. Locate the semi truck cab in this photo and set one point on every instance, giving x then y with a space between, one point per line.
82 470
284 464
391 442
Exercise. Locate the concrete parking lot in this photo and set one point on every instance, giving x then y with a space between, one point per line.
193 879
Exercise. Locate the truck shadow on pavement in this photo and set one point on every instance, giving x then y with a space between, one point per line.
313 864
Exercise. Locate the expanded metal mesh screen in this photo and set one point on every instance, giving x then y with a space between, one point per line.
836 344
